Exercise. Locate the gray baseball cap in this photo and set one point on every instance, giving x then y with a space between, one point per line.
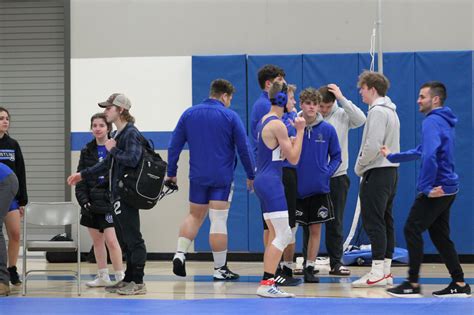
117 99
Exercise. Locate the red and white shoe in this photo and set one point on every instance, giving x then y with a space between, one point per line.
268 289
370 280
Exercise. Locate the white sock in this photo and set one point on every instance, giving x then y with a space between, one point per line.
219 258
310 263
377 267
103 273
119 275
387 263
182 247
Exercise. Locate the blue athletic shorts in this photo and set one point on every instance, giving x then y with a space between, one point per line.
203 194
270 191
14 205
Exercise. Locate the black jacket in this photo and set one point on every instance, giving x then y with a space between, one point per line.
89 190
10 155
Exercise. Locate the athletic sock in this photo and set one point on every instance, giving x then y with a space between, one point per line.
219 259
267 276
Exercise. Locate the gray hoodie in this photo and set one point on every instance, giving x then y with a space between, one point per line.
381 128
343 118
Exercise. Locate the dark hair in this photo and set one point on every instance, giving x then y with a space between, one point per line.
269 72
374 80
436 89
104 118
220 87
310 95
327 96
3 109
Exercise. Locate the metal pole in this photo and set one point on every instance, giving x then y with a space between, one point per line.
379 37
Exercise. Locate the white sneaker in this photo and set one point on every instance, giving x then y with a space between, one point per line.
99 282
389 279
370 280
268 289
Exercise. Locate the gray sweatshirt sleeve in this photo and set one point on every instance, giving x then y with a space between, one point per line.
374 138
355 114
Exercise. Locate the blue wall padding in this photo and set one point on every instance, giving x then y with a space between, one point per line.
232 68
292 64
406 72
455 70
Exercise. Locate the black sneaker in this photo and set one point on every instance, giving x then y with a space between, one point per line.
14 277
454 291
286 281
223 274
308 274
405 290
179 267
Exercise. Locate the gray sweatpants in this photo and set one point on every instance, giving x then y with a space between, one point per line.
8 190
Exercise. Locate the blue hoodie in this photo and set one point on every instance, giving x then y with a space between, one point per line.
436 152
319 160
212 132
260 108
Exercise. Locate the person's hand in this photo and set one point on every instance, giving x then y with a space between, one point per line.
250 185
299 123
110 144
384 150
74 179
22 211
436 192
173 179
334 89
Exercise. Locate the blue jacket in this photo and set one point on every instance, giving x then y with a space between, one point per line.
127 153
319 160
287 119
260 108
436 152
212 132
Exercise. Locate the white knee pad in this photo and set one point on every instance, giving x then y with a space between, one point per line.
218 220
283 233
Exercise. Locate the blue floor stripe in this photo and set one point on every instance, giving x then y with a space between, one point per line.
320 306
250 279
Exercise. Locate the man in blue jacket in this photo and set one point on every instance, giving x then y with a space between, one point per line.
437 186
320 158
212 132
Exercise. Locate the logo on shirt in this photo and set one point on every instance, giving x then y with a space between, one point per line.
320 138
8 155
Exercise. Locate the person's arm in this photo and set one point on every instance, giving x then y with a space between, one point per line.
177 141
430 143
132 153
291 149
355 114
335 159
21 175
376 128
406 156
240 140
82 191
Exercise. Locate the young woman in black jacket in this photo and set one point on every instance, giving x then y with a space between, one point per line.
10 155
96 208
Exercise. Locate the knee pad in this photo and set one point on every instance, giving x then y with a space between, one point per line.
283 233
218 220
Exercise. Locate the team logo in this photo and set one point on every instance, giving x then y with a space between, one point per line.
299 213
320 138
7 155
109 218
323 212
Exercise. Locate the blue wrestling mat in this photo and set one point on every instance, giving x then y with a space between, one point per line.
319 306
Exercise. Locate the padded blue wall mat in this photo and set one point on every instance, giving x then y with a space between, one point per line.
428 306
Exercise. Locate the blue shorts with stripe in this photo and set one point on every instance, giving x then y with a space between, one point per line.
202 194
14 205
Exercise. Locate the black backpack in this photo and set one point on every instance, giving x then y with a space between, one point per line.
141 187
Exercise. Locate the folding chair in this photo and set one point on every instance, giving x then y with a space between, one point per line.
51 214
